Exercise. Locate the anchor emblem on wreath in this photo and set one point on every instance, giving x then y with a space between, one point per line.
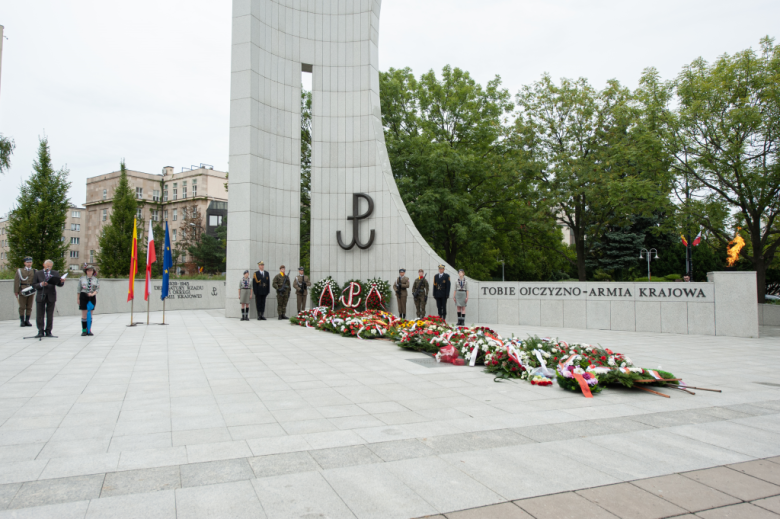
356 222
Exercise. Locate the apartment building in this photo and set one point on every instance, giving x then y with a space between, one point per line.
192 200
73 233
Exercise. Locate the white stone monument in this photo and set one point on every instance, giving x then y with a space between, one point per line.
336 40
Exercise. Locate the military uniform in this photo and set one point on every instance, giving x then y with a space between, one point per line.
441 292
301 286
400 286
22 280
261 286
420 294
282 286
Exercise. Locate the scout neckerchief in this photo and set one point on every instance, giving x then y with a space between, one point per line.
245 282
460 283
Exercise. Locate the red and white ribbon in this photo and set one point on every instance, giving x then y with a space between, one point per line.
332 297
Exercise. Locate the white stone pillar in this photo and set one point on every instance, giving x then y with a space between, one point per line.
736 306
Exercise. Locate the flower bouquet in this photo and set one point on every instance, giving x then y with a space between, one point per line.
378 295
325 292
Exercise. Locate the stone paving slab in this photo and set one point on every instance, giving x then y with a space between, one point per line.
262 419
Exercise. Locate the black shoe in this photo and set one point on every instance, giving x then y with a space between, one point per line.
48 334
284 317
21 322
27 322
40 334
261 318
90 334
83 333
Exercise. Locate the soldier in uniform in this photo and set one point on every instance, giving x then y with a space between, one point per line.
420 293
261 286
282 286
400 286
22 280
441 291
301 286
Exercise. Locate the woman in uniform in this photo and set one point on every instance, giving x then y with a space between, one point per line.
245 295
461 296
87 287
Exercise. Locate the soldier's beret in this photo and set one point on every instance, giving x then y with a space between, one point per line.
28 258
246 272
260 263
461 270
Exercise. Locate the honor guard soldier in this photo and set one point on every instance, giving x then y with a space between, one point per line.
441 291
282 286
400 286
301 286
461 296
420 293
24 279
261 286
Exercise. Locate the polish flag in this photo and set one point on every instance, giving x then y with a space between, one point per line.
151 257
697 240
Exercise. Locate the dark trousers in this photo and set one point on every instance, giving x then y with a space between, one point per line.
260 304
45 307
441 306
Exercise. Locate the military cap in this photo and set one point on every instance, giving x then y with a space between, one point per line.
260 263
401 270
28 258
301 268
441 266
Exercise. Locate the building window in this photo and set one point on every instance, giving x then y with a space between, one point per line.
165 215
140 214
174 234
165 193
74 241
215 220
105 193
175 191
194 187
154 214
184 213
184 189
92 256
174 215
139 192
156 195
74 267
76 227
76 214
105 214
74 254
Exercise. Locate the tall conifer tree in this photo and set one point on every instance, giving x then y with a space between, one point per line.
116 239
36 224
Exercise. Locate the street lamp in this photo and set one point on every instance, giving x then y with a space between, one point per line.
649 254
502 270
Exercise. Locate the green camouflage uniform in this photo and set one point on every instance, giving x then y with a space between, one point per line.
282 286
420 288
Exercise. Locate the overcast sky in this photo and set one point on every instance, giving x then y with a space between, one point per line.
149 80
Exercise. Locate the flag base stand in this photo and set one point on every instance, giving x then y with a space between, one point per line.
40 338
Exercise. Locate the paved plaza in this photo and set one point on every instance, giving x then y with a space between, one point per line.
213 417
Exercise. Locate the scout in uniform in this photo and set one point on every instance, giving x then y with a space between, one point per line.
86 292
282 286
401 284
461 296
245 295
301 286
420 293
441 291
22 280
261 286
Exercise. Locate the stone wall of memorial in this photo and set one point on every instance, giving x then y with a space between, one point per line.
112 298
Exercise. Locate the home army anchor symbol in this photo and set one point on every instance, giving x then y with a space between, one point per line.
356 222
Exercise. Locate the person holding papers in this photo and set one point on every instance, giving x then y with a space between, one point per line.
46 282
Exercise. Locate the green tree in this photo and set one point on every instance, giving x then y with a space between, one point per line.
724 134
593 157
35 225
7 146
209 252
458 171
116 238
305 179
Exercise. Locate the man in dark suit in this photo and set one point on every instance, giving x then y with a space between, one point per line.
261 286
441 291
46 282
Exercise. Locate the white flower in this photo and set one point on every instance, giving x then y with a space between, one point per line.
579 371
611 361
623 365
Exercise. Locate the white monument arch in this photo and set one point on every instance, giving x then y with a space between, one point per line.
359 226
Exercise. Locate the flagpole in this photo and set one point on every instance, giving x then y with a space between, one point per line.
131 312
147 312
163 311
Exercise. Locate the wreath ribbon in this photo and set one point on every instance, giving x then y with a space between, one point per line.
332 297
379 295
